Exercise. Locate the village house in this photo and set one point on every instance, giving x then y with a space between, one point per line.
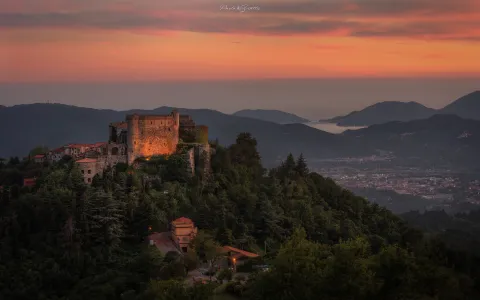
89 168
178 239
29 182
55 155
39 158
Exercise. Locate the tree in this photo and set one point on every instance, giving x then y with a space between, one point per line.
38 150
207 248
301 167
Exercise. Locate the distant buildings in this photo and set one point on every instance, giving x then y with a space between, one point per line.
140 136
178 239
29 182
183 232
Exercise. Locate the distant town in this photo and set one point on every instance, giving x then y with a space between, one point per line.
441 186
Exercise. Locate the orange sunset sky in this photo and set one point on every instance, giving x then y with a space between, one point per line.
137 40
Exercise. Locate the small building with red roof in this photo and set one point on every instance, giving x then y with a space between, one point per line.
56 155
178 239
29 182
39 158
183 232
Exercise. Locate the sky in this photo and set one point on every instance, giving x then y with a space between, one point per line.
66 42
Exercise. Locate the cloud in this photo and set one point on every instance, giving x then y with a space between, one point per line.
369 8
425 19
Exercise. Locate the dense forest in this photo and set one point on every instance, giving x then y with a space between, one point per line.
62 239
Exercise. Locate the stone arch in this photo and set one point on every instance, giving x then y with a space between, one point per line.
114 151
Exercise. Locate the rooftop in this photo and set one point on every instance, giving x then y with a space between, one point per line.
241 252
86 160
182 220
163 241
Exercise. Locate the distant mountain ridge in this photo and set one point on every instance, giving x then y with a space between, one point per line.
27 126
467 107
275 116
438 139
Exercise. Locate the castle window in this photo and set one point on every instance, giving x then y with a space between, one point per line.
89 179
89 171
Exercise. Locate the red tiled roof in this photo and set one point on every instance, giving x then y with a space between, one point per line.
39 156
183 220
100 144
242 252
29 181
163 241
86 160
58 150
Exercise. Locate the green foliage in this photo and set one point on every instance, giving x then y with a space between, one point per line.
225 274
66 240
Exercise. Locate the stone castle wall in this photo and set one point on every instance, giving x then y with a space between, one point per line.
152 135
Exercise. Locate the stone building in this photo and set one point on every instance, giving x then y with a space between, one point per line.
152 135
178 239
183 232
89 168
144 136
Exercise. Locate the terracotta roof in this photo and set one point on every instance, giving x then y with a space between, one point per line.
58 150
100 144
163 241
75 146
242 252
86 160
39 156
183 220
29 181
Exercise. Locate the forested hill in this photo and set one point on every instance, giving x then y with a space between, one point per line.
64 240
55 125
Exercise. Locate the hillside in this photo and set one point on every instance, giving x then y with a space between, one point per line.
64 239
384 112
442 138
52 125
467 107
275 116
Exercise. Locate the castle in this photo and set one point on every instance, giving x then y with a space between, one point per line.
142 136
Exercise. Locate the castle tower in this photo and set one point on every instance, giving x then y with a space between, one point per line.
152 135
176 117
132 137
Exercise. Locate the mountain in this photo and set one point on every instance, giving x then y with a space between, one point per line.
467 107
27 126
275 116
440 138
384 112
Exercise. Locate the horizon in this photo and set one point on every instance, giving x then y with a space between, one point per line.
308 98
313 58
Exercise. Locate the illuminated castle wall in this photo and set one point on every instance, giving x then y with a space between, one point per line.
152 135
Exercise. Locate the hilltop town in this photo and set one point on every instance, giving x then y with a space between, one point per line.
139 137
